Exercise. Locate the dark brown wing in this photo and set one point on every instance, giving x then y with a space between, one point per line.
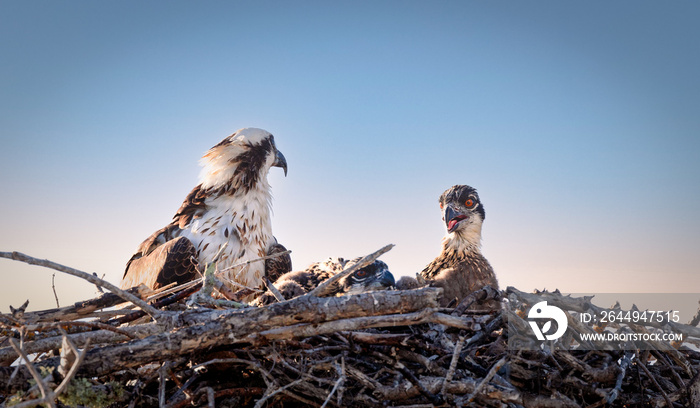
156 239
192 208
279 265
172 262
147 269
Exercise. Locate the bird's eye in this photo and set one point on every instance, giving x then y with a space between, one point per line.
441 206
361 273
469 203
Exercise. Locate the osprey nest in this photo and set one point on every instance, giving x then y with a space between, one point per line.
180 347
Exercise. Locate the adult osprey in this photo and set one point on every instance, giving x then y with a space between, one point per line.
461 268
231 206
375 276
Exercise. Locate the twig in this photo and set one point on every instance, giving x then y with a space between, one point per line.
94 325
491 326
625 361
656 384
161 383
53 286
321 289
487 292
263 258
17 256
86 308
486 379
7 355
273 289
355 323
187 291
453 364
203 297
46 393
338 384
267 396
211 398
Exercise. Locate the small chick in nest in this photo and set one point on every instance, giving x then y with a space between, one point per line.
375 276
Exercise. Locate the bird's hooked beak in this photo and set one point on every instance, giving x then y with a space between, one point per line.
280 161
453 218
387 279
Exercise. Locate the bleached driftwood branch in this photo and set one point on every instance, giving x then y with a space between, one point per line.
17 256
83 309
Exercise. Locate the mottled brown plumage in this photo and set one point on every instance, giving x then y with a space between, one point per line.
279 265
226 215
174 261
460 268
375 276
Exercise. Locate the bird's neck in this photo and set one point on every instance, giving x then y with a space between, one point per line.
464 240
221 177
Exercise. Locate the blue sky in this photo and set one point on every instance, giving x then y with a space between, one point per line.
577 123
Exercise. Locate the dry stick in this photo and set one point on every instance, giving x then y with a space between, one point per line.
337 385
273 289
81 309
662 357
263 258
277 391
624 364
94 325
209 282
45 393
321 289
487 292
53 286
454 321
7 355
182 390
486 379
158 304
354 323
162 291
17 256
453 364
653 380
211 398
245 291
161 383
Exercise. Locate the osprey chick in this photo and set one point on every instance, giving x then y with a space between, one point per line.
461 268
231 206
375 276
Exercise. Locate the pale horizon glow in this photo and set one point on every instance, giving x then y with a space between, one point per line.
577 123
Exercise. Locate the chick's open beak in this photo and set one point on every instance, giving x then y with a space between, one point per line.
452 218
